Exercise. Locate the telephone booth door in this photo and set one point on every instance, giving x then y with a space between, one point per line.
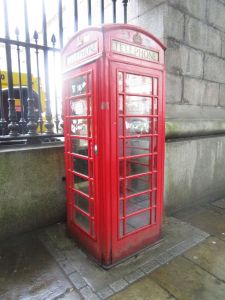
81 159
137 105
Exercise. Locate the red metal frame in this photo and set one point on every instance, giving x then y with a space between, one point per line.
122 167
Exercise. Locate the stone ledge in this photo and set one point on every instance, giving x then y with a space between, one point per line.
13 148
191 128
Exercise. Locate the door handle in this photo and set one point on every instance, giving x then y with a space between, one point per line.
96 149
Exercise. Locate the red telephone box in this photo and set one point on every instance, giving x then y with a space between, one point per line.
113 91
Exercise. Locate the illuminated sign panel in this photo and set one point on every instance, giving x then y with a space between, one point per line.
136 51
77 56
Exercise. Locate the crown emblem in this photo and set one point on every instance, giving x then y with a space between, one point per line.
137 39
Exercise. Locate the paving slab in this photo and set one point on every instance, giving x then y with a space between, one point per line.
28 271
146 289
82 269
219 203
209 221
210 255
185 280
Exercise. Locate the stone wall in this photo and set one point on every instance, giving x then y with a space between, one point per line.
32 192
194 34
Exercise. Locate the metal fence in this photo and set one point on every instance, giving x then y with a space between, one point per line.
30 106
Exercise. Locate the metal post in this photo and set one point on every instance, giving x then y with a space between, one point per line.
3 122
75 16
13 126
32 124
40 120
125 10
60 24
114 10
22 121
102 12
53 40
48 123
89 13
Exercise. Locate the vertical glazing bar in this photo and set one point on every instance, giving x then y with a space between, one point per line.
32 124
114 10
75 16
48 123
13 126
124 156
60 24
151 158
89 13
102 12
22 121
40 120
3 122
125 10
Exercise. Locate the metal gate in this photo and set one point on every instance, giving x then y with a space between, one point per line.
31 39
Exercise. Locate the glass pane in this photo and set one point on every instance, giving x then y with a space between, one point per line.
120 82
121 148
155 125
79 146
120 126
121 228
120 104
155 107
136 146
154 180
138 221
154 162
81 184
121 212
78 85
153 218
137 203
89 83
137 105
79 127
121 167
137 165
153 195
155 143
78 107
81 202
155 86
136 126
122 191
82 220
139 184
93 228
80 165
91 169
138 84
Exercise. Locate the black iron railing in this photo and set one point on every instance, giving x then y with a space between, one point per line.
32 119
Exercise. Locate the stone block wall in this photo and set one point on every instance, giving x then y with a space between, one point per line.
194 34
32 192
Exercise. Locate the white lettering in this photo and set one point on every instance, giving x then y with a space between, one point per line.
83 53
138 52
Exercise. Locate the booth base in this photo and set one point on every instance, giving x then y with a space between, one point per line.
177 236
